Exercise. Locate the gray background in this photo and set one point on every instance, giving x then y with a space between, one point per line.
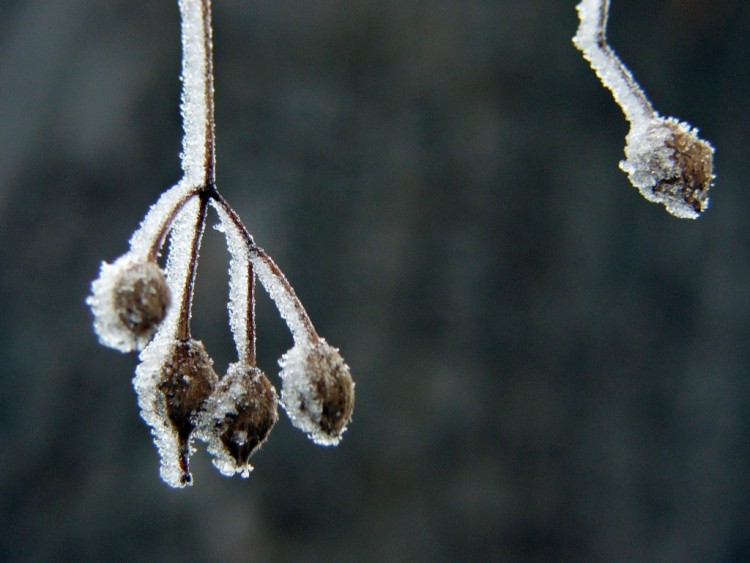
548 367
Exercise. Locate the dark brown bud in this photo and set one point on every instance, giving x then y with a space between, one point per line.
318 391
186 381
670 165
693 169
129 299
238 418
141 298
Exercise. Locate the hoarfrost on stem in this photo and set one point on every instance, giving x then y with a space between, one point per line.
665 159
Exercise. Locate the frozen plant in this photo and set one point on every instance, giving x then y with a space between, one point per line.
138 306
665 159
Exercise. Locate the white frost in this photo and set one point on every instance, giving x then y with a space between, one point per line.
283 296
195 97
310 371
156 355
665 159
591 40
160 215
239 283
233 389
107 324
650 160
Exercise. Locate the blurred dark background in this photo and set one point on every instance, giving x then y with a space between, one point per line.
548 367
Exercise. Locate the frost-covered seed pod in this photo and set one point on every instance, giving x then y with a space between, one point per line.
317 391
142 298
238 417
186 381
670 165
129 300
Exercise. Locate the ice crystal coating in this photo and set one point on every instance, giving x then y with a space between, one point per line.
159 217
129 301
591 40
317 391
240 289
187 226
670 165
665 159
197 88
172 386
238 417
282 294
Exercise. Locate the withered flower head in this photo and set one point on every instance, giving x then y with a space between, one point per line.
129 301
238 417
317 391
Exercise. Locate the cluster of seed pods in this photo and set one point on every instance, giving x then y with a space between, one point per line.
138 306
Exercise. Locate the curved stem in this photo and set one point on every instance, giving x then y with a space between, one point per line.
591 39
273 280
163 231
302 325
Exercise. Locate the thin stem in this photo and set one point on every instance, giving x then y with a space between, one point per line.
166 225
591 39
210 147
276 284
250 316
198 144
303 318
183 327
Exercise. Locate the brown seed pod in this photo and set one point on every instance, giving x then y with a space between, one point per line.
141 298
670 165
238 418
129 299
186 380
318 391
693 168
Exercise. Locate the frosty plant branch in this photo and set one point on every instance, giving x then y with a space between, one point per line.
138 306
665 159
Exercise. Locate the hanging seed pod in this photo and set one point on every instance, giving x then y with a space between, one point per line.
129 301
238 417
670 165
186 381
317 391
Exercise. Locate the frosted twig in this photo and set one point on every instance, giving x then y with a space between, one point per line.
665 159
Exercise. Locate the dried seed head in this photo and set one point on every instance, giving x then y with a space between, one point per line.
129 301
317 391
670 165
186 381
238 417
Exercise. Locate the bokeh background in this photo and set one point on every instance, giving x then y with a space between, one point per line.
548 367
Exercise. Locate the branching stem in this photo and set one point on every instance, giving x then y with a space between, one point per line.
297 318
